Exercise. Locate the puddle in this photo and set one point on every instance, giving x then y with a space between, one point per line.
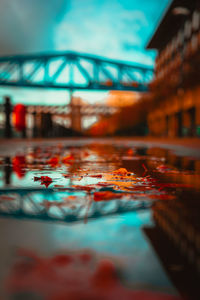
137 207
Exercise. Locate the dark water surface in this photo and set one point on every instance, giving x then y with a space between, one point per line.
136 207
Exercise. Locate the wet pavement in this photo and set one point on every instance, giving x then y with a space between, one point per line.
111 219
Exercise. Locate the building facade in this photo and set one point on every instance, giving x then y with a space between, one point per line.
175 90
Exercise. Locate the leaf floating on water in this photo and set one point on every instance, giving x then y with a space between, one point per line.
69 159
53 161
96 176
36 178
106 195
121 171
130 152
87 188
46 180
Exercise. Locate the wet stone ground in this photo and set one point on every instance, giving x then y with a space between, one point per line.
99 221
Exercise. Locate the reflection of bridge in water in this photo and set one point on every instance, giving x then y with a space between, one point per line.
30 204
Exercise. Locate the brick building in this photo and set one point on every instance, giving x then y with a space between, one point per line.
175 109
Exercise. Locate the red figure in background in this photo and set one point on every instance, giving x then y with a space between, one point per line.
19 118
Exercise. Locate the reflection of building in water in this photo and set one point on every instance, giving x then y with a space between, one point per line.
7 170
180 221
176 239
190 167
175 107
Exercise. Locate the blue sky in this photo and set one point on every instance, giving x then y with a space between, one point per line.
117 29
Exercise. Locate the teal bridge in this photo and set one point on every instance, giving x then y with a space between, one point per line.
73 71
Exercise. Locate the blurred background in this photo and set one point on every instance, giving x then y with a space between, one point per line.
117 30
99 68
86 95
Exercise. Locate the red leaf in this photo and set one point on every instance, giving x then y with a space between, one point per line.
53 161
46 180
106 195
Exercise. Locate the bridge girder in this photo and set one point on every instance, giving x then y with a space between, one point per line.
74 71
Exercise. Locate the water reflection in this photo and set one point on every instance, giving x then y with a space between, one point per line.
176 238
135 178
81 184
7 171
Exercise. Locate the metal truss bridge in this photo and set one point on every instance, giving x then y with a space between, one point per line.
73 71
28 204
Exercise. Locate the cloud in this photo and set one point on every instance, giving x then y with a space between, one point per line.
28 26
105 28
114 28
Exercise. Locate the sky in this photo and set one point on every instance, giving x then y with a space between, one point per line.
117 29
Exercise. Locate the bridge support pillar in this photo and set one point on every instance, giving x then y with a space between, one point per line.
75 114
45 121
76 118
34 128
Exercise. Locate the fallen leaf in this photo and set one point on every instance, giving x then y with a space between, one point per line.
53 161
106 195
46 180
122 172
